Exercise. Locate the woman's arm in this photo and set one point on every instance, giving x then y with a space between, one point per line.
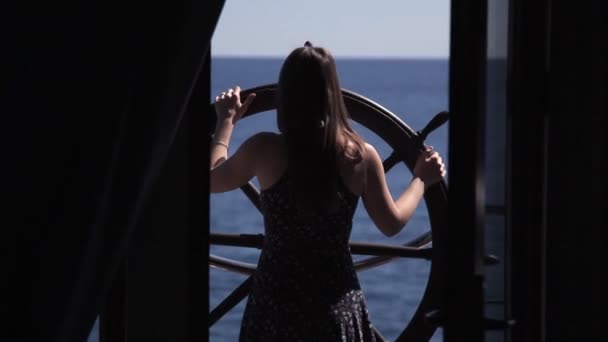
238 169
228 174
220 142
388 215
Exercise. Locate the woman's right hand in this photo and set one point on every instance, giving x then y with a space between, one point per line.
429 167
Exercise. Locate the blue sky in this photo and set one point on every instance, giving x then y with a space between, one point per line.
348 28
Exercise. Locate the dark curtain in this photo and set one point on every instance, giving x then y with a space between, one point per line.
92 96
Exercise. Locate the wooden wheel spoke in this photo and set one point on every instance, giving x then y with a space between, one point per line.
391 161
421 240
253 194
231 301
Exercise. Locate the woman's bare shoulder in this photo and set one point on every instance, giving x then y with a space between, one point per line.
263 140
268 145
270 152
371 162
370 155
267 136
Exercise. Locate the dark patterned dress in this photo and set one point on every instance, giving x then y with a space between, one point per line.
305 287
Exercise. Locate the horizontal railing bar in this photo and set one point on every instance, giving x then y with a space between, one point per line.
231 265
361 248
366 248
360 265
237 240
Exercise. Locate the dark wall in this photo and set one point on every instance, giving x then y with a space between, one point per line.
576 204
558 110
93 99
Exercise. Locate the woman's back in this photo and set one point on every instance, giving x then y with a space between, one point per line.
273 163
305 285
286 223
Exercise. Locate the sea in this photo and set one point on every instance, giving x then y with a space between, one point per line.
414 90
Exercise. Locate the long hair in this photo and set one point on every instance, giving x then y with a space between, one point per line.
313 118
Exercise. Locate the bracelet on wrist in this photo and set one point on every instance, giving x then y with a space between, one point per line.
217 142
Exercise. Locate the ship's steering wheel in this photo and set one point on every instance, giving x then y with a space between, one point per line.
406 144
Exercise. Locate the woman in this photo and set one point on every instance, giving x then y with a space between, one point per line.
311 177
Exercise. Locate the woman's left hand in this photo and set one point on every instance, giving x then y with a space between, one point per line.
228 105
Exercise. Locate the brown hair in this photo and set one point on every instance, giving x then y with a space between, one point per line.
312 116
